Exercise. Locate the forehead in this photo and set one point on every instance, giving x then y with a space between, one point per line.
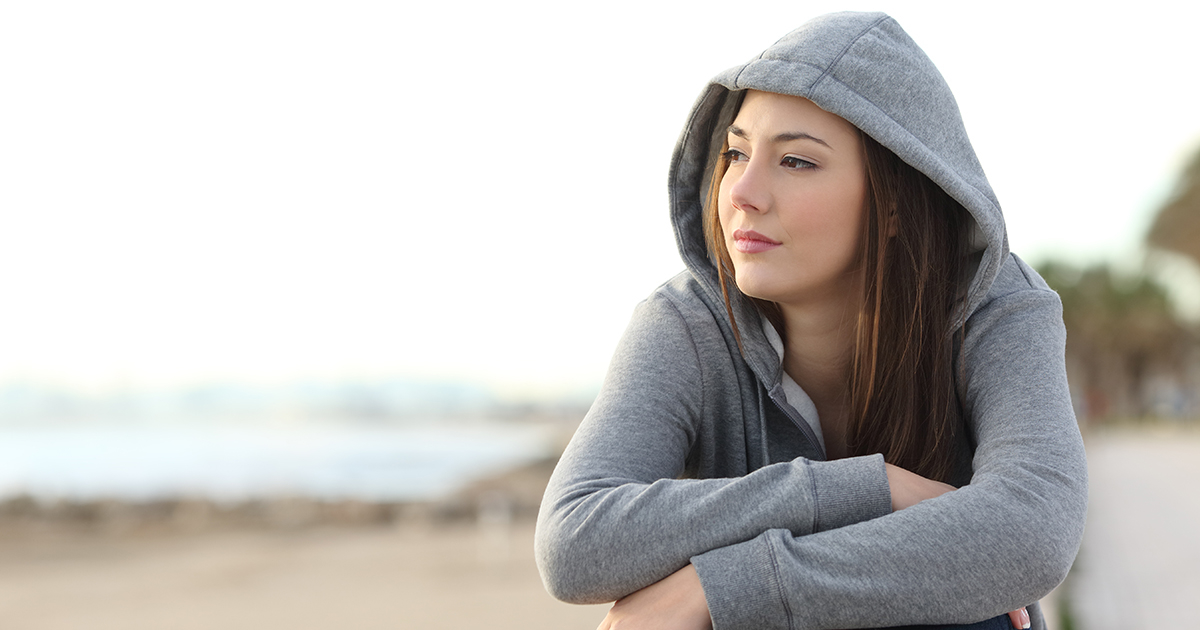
768 114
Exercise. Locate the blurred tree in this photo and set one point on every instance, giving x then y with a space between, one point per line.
1177 226
1121 331
1123 335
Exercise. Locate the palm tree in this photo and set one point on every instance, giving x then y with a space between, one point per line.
1120 332
1177 226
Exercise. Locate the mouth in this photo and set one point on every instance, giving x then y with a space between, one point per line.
751 242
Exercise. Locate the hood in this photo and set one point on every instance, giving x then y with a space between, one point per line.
864 68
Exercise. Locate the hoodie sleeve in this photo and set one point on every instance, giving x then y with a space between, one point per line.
1003 541
615 518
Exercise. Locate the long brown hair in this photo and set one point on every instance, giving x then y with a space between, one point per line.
913 247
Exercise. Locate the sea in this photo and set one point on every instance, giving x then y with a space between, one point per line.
238 463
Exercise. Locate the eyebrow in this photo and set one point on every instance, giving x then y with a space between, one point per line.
787 136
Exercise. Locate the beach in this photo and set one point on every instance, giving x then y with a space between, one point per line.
467 560
459 560
419 575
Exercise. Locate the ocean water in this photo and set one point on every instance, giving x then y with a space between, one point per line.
238 463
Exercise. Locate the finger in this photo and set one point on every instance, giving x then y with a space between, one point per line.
1019 619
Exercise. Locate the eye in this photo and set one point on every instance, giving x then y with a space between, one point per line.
733 155
794 162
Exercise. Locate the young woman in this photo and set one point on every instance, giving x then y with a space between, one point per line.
783 427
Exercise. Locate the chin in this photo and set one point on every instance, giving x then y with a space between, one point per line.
759 290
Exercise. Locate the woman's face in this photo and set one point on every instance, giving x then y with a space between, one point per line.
793 200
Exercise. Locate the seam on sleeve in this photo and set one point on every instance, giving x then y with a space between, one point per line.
1024 274
812 481
779 583
695 352
1025 270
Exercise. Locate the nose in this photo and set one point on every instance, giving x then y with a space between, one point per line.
748 188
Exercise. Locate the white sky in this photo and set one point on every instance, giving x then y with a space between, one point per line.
261 191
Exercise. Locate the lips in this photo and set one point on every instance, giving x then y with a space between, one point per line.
751 242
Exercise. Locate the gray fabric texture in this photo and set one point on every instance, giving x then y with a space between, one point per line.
692 454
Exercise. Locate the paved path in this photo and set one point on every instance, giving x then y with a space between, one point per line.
1140 562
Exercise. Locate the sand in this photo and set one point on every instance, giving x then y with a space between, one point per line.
463 562
414 575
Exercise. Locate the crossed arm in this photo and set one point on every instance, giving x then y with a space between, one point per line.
808 544
677 601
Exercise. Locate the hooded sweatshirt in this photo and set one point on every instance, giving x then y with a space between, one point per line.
693 451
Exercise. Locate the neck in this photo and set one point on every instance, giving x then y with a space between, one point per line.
818 351
818 355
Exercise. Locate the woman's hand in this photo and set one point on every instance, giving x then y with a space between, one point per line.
909 488
674 603
1019 619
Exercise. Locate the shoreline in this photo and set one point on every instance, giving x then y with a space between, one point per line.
511 495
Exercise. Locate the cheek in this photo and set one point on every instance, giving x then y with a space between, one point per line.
725 210
725 188
816 214
831 223
844 209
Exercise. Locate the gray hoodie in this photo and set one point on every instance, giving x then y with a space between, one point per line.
693 453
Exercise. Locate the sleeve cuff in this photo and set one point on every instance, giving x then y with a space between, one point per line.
741 585
741 582
848 491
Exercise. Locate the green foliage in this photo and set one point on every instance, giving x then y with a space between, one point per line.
1120 330
1110 311
1066 616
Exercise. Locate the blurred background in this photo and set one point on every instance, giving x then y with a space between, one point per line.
302 299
